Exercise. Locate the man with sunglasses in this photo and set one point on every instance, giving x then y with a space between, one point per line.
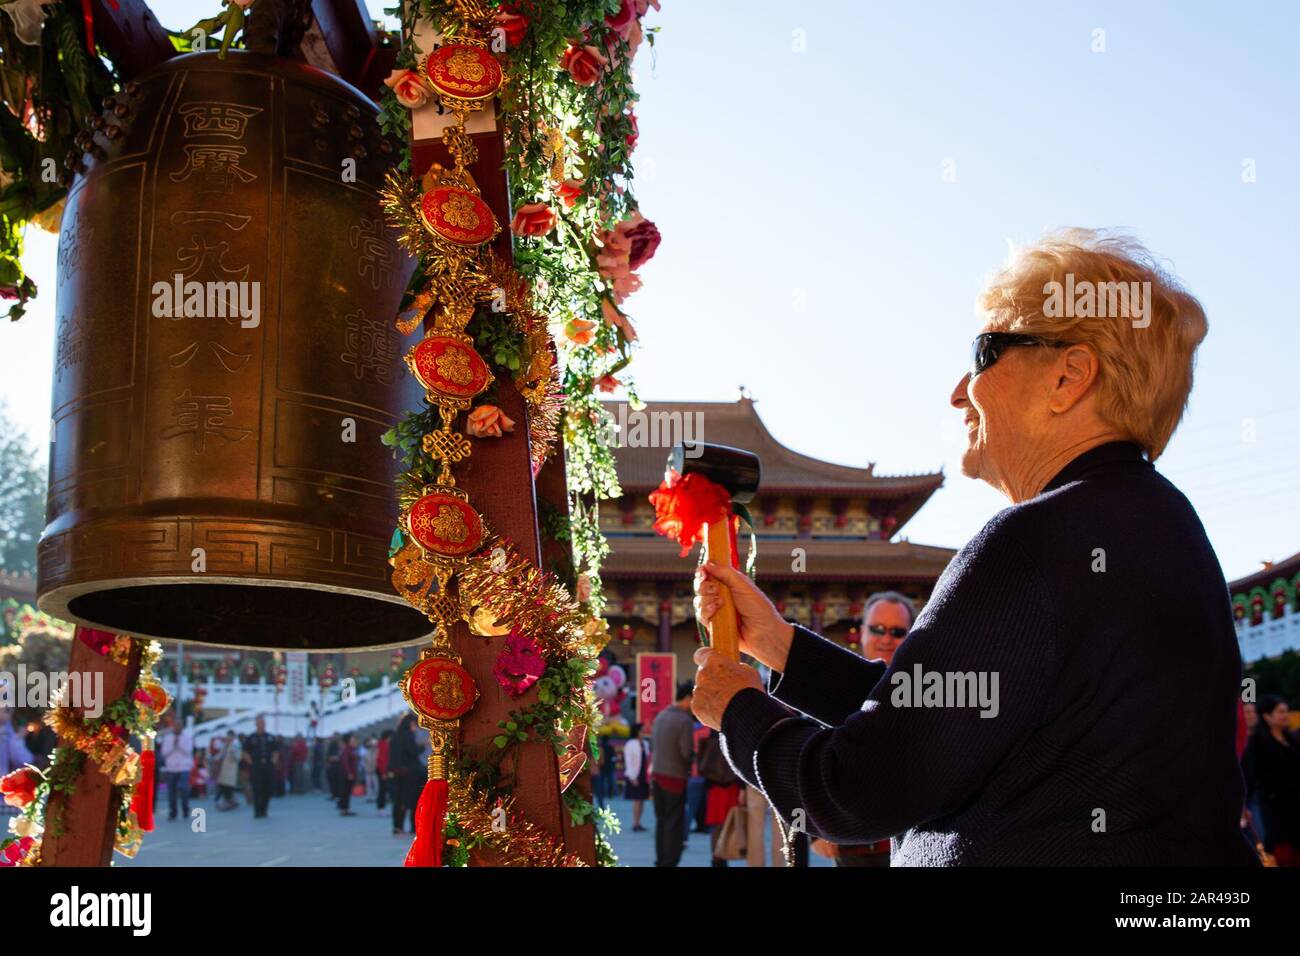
886 618
1069 694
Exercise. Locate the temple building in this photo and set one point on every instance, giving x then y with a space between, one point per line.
1266 606
828 535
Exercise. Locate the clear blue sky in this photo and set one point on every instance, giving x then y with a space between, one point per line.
779 177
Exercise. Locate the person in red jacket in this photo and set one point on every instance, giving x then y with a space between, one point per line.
349 767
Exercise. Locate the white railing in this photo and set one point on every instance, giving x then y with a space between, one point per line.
1270 637
235 695
337 716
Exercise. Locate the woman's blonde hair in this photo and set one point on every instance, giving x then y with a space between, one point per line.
1070 286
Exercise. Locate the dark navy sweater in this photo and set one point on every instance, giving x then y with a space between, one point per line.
1114 732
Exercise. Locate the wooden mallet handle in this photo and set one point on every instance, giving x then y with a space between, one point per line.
724 630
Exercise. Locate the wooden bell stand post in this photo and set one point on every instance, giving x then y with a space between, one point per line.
498 478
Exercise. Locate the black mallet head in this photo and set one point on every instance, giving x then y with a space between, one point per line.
734 469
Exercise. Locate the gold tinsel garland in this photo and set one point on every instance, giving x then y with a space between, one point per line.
500 583
511 839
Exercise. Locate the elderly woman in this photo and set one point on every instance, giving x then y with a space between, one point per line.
1069 693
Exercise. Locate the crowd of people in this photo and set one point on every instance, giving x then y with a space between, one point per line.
1271 763
252 769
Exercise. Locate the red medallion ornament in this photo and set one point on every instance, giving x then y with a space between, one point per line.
446 525
463 72
449 366
457 215
439 688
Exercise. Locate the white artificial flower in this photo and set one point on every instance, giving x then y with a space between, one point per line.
24 827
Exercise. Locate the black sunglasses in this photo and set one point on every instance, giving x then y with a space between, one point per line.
880 629
989 346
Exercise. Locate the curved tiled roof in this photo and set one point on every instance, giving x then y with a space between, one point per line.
636 557
784 471
1264 577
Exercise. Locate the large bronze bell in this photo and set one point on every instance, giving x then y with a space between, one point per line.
226 364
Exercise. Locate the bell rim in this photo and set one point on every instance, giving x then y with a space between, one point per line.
56 603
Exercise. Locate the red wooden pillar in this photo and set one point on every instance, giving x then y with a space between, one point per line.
88 815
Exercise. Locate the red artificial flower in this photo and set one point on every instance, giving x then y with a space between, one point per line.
13 853
684 505
519 664
534 219
514 25
569 192
98 641
19 787
584 63
607 383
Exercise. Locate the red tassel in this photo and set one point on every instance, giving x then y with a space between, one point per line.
430 817
142 799
88 15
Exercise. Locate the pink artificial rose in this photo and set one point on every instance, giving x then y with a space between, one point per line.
634 38
626 248
633 136
409 88
584 63
583 587
643 5
488 421
534 219
519 664
616 318
643 240
623 21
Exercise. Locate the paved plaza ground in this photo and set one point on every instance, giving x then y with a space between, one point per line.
307 830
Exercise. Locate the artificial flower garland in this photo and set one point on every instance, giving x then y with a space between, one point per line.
104 742
52 88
